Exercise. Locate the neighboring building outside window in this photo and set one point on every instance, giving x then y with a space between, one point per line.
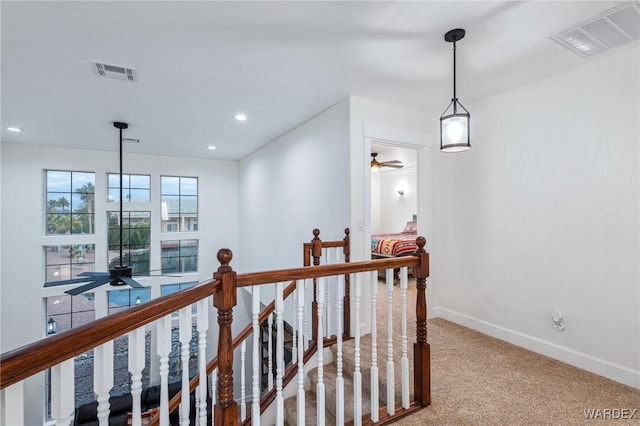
64 262
179 204
135 188
136 236
179 256
70 202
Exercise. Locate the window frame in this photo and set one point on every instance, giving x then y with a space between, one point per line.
180 214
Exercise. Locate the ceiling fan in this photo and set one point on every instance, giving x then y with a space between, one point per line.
375 164
119 274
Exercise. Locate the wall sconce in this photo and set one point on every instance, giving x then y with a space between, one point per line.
52 326
400 191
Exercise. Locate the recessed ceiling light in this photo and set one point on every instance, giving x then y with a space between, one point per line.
240 117
14 129
211 148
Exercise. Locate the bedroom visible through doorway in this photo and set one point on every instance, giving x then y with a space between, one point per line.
394 200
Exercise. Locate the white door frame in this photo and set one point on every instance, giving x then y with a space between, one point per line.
422 143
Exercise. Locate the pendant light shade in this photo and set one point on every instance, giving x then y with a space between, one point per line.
454 122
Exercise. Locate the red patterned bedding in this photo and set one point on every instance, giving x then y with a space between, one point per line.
393 244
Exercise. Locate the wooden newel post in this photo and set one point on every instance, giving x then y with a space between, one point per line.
224 299
421 349
316 253
347 292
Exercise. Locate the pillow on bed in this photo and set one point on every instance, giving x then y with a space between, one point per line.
410 227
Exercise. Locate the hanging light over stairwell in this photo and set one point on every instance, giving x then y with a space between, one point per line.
454 122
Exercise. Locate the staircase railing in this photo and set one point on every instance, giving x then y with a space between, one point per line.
57 352
313 250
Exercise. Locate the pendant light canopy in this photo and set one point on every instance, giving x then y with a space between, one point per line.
454 122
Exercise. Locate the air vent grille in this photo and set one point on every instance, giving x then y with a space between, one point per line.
608 30
117 72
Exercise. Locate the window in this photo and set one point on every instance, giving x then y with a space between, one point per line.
70 202
136 235
64 262
71 311
135 188
179 204
120 300
179 256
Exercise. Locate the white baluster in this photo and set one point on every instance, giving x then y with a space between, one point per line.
327 300
375 398
339 328
404 360
197 404
243 395
300 289
203 326
391 404
357 374
279 353
164 347
103 379
185 337
214 391
12 405
294 344
62 391
320 386
270 351
307 313
256 356
136 365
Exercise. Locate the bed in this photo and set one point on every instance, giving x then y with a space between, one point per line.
395 245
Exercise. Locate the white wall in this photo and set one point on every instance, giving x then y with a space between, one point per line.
297 183
542 214
397 209
23 234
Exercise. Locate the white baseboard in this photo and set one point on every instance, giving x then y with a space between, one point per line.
569 356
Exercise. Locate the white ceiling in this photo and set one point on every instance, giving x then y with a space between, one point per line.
199 63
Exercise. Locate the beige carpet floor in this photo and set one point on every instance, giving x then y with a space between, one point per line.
479 380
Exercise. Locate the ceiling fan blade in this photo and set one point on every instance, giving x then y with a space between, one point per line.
391 162
393 166
65 282
133 283
93 274
84 288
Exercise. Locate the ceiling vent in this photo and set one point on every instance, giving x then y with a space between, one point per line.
114 71
605 31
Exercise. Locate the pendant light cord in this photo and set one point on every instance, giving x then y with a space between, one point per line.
455 99
121 218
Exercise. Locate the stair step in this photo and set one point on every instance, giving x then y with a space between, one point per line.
311 414
329 378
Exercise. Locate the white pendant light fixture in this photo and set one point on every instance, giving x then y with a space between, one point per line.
454 122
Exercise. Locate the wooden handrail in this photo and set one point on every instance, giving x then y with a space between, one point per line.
23 362
269 277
